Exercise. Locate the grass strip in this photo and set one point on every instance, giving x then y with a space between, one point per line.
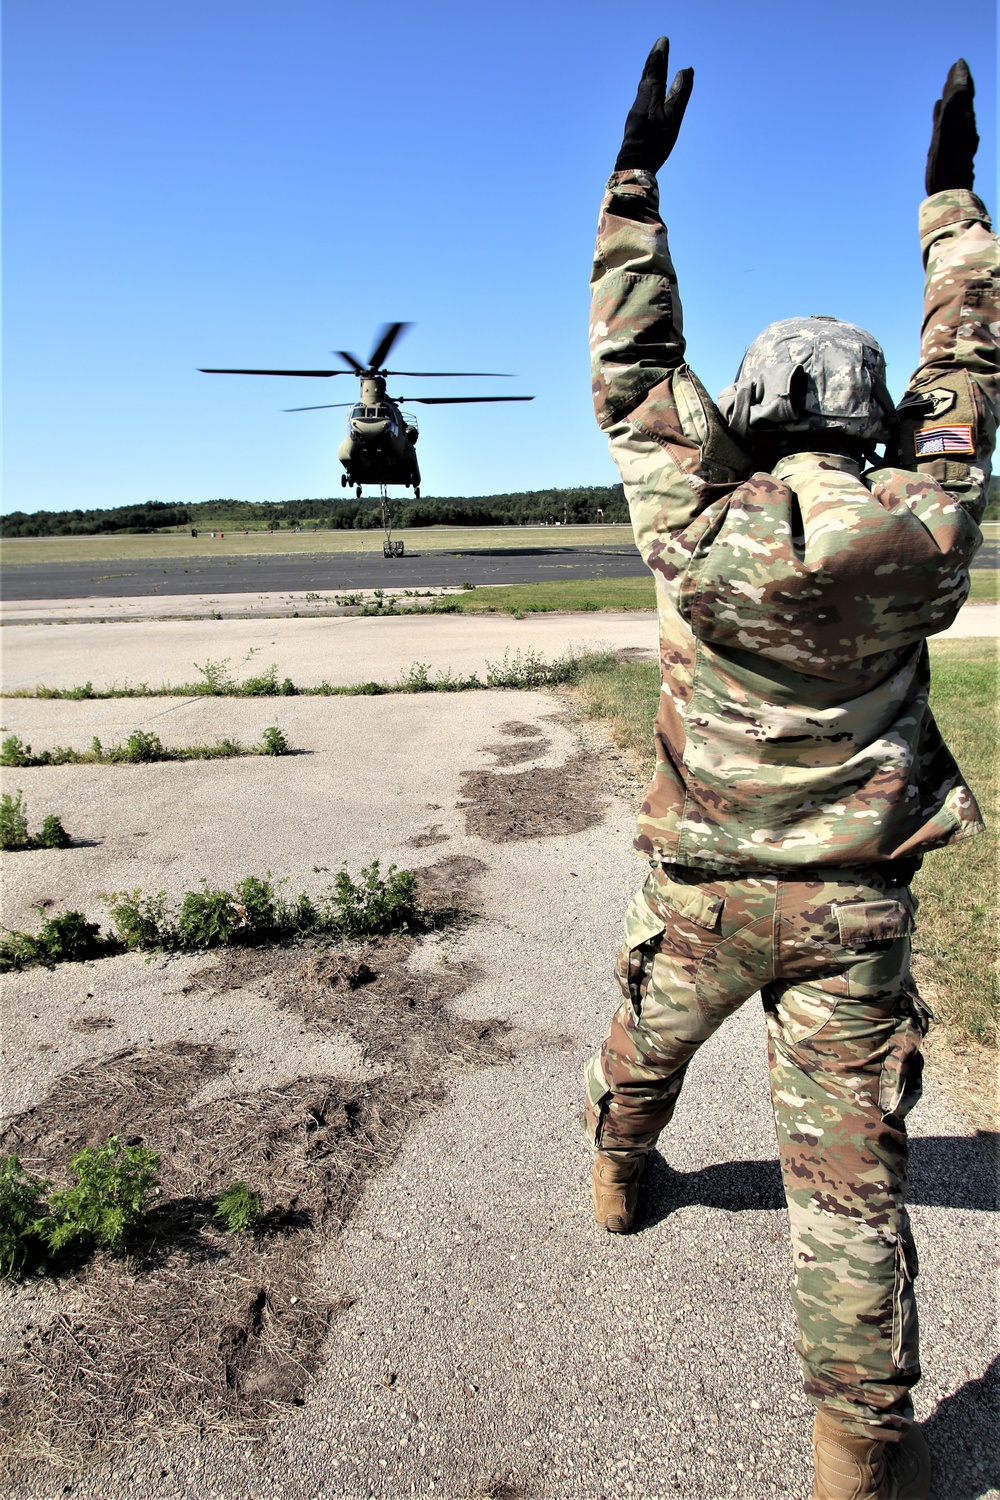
253 912
523 669
956 939
140 748
569 595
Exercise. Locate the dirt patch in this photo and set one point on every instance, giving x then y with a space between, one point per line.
200 1330
90 1023
451 885
517 730
539 802
428 837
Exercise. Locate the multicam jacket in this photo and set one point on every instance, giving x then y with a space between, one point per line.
793 727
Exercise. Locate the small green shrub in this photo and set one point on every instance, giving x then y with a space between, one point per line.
375 903
140 747
53 834
140 921
215 678
238 1209
14 752
207 917
68 937
416 679
255 901
274 742
20 1212
13 821
107 1203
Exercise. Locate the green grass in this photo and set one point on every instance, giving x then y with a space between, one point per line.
956 939
565 595
985 585
260 544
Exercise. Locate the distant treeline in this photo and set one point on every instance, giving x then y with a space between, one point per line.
531 506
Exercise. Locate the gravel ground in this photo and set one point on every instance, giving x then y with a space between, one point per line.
500 1346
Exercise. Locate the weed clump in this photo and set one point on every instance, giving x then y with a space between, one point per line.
141 748
14 826
238 1208
254 911
375 904
65 938
106 1204
522 670
20 1215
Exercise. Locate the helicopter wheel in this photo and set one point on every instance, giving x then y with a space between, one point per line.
343 481
416 492
357 491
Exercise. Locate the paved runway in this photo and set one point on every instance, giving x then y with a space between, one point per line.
319 571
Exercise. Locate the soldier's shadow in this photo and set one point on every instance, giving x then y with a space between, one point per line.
961 1434
945 1172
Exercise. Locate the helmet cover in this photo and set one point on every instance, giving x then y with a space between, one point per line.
810 375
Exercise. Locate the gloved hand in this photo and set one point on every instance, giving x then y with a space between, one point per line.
654 120
954 138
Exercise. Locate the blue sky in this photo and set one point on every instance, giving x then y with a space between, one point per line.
258 182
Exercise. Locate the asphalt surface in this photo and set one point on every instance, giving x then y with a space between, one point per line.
319 571
499 1345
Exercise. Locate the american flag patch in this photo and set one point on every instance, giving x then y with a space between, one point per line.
950 439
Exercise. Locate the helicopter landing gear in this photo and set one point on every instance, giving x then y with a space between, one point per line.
416 492
357 491
343 481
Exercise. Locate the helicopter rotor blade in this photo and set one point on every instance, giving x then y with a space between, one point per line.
352 360
387 336
453 400
329 406
204 371
449 374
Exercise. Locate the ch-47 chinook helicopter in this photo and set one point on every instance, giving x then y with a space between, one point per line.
380 444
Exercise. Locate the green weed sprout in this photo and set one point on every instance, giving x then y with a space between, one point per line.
238 1209
140 921
273 742
375 903
20 1215
13 819
53 834
14 752
106 1205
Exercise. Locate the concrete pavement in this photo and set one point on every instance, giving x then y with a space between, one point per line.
498 1344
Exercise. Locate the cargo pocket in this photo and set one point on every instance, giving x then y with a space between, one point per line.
696 903
643 934
900 1085
905 1330
865 925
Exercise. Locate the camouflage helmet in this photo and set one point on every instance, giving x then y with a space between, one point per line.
810 375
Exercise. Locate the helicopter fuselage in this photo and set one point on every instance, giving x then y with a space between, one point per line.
379 446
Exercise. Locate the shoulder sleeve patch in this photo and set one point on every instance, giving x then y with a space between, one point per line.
956 438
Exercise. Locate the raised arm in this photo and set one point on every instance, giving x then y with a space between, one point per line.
949 415
664 432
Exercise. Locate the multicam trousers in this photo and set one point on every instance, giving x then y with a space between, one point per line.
831 959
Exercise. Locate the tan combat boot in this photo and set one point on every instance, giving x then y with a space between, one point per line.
860 1468
616 1190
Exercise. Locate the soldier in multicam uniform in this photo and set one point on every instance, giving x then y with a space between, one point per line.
800 776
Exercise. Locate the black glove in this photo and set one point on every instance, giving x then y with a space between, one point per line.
654 121
954 138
